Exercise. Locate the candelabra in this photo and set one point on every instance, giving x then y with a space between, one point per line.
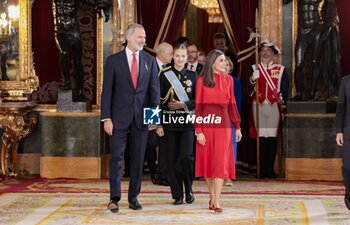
8 22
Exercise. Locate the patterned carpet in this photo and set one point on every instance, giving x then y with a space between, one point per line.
69 201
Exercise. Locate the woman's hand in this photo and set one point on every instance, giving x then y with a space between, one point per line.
201 139
238 135
160 131
174 105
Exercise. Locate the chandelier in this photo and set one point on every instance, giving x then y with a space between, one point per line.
212 8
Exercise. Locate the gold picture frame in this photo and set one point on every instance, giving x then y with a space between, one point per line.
26 80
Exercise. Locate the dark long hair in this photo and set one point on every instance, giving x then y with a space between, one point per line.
207 71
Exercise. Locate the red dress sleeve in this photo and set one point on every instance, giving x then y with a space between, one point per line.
232 107
199 103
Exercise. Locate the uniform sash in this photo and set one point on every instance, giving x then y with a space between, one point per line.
176 84
269 82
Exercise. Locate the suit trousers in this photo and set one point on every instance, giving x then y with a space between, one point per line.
346 153
137 148
180 160
346 167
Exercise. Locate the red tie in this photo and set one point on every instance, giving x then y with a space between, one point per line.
134 72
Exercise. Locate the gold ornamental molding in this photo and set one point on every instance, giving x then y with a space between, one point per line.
26 80
17 122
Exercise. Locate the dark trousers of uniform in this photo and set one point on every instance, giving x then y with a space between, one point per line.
268 149
179 145
137 147
346 168
151 152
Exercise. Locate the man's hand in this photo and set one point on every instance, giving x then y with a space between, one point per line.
201 139
108 127
174 105
339 139
256 75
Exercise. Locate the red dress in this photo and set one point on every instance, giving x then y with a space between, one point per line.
216 159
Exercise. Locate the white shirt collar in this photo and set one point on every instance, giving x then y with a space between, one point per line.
195 64
160 63
129 52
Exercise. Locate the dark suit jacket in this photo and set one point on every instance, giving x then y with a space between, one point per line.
120 101
342 119
198 69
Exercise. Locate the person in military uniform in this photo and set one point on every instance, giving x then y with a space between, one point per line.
273 93
177 92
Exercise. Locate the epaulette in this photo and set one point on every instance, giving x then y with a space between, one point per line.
164 69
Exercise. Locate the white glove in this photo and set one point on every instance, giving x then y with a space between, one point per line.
256 74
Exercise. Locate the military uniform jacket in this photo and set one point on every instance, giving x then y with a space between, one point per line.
280 80
170 118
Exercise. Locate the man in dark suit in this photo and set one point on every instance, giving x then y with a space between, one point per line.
130 84
192 60
164 55
221 43
342 122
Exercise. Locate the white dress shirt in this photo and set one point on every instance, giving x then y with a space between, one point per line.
194 66
160 64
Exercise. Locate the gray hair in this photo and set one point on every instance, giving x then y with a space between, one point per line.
131 28
162 47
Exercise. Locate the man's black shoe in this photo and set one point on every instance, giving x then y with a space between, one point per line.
189 198
154 179
163 182
159 181
178 201
113 206
347 202
135 206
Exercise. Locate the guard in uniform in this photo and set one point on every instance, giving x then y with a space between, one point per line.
273 93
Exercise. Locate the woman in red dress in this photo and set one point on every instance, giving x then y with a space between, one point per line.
216 102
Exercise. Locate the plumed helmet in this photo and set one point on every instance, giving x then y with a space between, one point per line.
267 43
